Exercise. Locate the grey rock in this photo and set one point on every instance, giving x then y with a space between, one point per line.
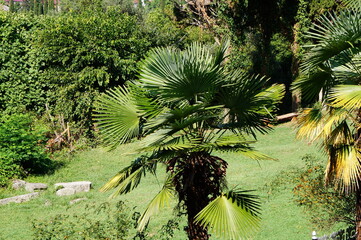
20 198
4 7
17 184
77 200
82 186
31 187
65 192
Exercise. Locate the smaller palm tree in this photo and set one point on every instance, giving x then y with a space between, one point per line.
185 107
331 72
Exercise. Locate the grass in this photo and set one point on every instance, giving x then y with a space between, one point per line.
281 217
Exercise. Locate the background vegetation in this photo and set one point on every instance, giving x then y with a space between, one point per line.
56 59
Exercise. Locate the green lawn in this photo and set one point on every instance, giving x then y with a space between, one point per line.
281 217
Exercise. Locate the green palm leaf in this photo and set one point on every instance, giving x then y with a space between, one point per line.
247 101
312 83
346 96
181 76
355 4
231 216
118 116
312 122
129 177
334 34
344 166
160 201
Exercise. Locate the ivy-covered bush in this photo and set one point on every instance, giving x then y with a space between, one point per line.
22 148
20 88
80 55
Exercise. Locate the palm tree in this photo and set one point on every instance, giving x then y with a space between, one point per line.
331 72
185 106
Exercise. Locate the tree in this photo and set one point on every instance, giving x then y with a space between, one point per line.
331 74
185 106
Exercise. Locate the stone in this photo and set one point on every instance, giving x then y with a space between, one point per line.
17 184
20 198
77 200
31 187
82 186
65 192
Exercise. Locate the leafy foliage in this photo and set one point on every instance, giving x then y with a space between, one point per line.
325 205
230 215
82 55
21 148
20 88
102 221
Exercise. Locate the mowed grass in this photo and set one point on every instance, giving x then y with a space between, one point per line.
281 217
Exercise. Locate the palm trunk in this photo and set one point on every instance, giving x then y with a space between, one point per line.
199 181
358 191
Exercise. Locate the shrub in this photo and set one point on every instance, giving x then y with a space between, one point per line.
21 148
102 221
325 205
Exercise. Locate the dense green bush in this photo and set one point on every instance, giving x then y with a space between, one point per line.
21 148
80 55
20 87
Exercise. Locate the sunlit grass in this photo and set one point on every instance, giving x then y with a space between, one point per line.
281 217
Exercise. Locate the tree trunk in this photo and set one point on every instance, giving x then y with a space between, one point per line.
358 190
199 181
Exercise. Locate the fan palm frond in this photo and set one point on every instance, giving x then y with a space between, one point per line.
312 122
177 76
334 33
118 116
247 101
344 166
312 83
346 96
231 215
221 52
129 177
160 201
354 4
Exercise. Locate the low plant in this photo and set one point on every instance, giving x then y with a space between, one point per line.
325 205
22 149
104 221
100 221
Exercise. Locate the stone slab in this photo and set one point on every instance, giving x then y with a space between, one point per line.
17 184
81 186
31 187
20 198
65 192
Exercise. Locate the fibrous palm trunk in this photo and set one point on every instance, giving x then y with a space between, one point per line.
199 180
358 191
